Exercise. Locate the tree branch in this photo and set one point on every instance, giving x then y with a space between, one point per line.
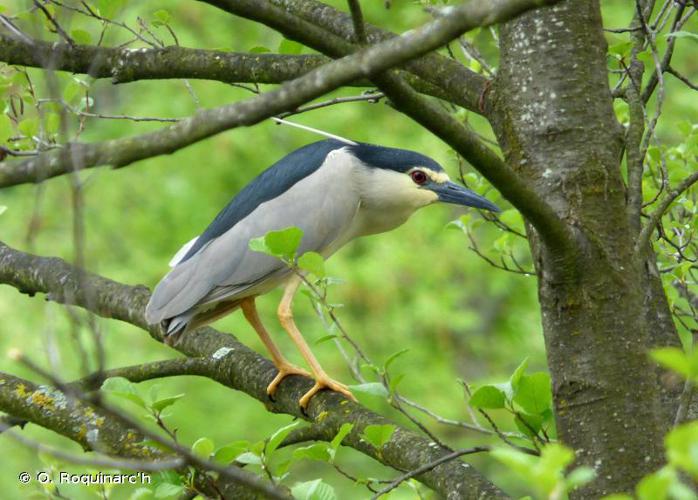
238 367
656 216
374 59
125 65
96 430
331 32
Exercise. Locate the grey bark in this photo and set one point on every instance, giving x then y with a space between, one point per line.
552 112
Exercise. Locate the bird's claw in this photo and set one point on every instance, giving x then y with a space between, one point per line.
284 371
324 382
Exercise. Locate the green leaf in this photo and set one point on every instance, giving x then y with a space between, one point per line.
259 50
682 448
488 396
6 128
290 47
580 476
313 263
142 494
519 462
259 245
655 486
372 388
395 381
317 451
123 388
163 403
391 359
168 490
52 123
513 219
2 209
674 359
534 394
226 454
82 37
29 127
344 431
325 338
378 435
283 243
161 17
516 376
249 458
203 447
528 424
621 49
276 438
109 8
313 490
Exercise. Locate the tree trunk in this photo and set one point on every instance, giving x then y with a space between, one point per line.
552 112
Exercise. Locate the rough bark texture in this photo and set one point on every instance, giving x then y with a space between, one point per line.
552 111
125 65
97 430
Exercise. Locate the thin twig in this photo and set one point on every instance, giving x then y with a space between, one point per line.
357 18
427 467
670 69
684 403
656 216
372 98
55 23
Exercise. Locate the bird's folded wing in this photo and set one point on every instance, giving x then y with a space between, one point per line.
322 206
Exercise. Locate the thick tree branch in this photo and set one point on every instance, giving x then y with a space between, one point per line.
375 59
238 367
125 65
78 421
97 430
331 32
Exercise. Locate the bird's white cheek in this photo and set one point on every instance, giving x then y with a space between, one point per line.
425 197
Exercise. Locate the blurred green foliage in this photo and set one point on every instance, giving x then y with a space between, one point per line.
418 290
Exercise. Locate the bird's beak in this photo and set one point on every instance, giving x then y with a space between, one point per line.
450 192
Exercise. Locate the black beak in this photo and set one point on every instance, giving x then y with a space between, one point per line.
450 192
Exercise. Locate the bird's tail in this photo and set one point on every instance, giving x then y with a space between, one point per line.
179 324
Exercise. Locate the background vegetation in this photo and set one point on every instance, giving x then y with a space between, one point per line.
419 288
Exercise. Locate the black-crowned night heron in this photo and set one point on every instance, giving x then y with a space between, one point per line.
334 192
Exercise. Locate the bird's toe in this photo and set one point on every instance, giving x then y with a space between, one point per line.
284 371
325 383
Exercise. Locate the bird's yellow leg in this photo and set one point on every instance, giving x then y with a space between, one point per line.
322 380
285 368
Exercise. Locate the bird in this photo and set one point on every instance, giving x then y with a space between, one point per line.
334 191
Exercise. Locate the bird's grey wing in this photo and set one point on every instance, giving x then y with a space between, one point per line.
322 205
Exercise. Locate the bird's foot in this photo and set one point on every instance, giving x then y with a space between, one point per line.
325 382
285 370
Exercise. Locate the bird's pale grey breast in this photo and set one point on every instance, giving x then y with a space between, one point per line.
221 265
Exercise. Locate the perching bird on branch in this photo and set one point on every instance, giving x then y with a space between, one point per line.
334 192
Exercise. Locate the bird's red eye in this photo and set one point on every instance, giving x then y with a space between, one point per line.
419 177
